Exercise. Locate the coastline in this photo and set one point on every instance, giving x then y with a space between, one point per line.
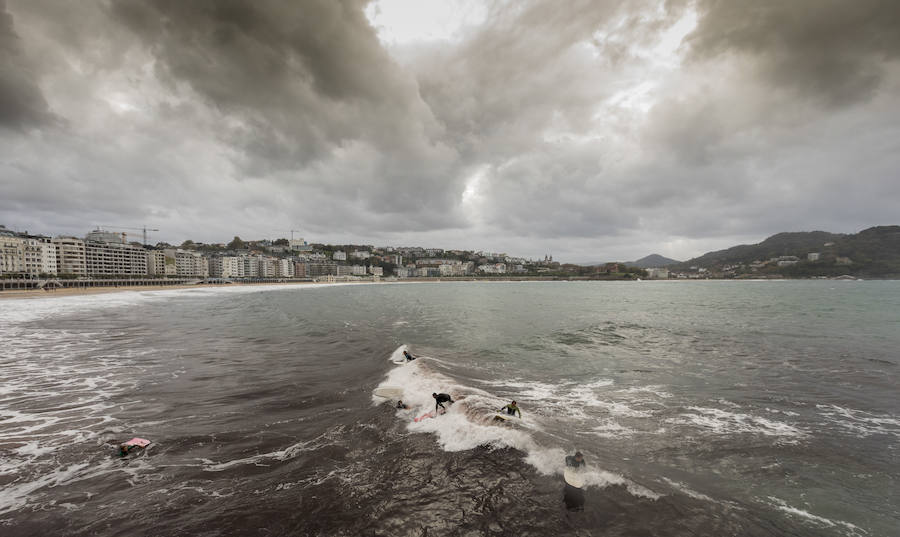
34 294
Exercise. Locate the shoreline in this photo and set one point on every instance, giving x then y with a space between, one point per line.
35 294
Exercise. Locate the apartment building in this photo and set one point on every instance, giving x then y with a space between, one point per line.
70 255
284 268
156 263
114 259
12 254
189 264
251 266
226 267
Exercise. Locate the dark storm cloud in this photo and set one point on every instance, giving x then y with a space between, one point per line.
553 127
832 49
299 79
21 102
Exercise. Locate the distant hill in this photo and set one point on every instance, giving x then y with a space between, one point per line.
652 260
873 252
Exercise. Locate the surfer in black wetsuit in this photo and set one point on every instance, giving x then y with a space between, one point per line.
409 357
576 460
401 405
439 399
574 496
511 409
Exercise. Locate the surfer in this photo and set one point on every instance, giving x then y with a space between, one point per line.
576 460
134 444
409 357
440 399
511 409
401 405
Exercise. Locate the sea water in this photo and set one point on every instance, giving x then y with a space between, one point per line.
702 408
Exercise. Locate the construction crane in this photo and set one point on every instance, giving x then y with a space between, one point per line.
145 229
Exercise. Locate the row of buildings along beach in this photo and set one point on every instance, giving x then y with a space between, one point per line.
105 254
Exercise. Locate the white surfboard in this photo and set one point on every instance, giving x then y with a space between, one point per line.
388 392
573 477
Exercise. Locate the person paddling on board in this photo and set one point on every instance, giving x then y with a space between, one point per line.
511 409
401 405
134 444
409 357
439 399
575 461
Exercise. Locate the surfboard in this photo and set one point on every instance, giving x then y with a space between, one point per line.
501 417
424 416
388 392
573 477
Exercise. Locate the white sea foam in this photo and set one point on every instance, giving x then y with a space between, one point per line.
287 453
860 422
688 491
806 516
18 311
397 356
656 390
467 424
610 428
720 421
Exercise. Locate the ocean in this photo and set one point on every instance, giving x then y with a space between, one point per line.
702 408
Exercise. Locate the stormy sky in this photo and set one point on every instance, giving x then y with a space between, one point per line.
589 130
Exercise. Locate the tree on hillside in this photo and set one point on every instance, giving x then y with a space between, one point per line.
237 244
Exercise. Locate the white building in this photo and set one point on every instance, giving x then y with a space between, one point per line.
358 270
156 263
376 271
189 264
70 255
285 268
100 235
12 254
251 266
339 256
51 265
114 259
226 267
39 255
813 256
360 254
658 273
495 268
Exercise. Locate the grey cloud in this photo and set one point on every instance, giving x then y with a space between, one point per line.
832 49
214 118
21 102
301 87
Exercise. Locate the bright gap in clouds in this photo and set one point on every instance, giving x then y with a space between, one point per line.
403 21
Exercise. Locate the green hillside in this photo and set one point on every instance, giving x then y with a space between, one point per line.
874 253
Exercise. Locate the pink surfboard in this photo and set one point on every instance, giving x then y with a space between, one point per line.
137 442
423 416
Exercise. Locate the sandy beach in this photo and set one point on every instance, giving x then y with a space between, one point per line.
40 293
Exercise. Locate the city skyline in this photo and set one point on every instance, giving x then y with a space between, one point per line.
604 131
